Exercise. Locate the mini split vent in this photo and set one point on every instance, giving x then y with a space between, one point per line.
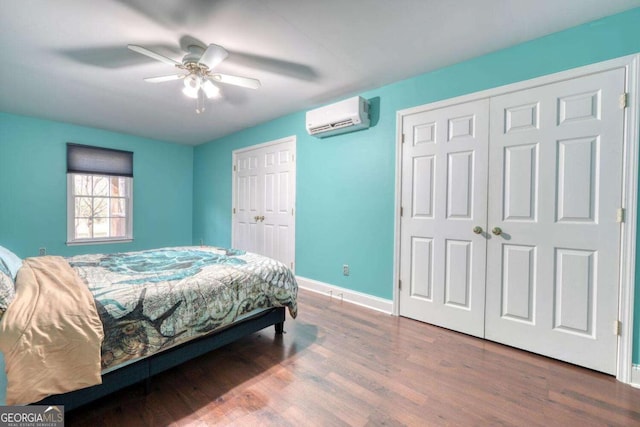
330 127
345 116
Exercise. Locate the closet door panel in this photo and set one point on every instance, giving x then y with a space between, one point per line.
554 190
264 200
444 196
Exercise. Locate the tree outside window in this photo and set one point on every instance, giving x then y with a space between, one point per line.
100 206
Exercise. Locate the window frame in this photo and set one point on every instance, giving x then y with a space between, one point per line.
71 213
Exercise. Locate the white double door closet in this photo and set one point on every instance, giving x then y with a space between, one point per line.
511 209
264 191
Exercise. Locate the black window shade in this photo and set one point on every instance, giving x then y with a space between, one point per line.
99 161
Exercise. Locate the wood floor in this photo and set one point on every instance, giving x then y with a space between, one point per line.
339 364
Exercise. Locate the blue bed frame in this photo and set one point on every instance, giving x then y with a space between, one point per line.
142 370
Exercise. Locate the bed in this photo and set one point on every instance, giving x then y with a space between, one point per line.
85 326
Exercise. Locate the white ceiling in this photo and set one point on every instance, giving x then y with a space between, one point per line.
68 60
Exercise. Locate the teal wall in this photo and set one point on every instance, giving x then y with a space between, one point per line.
345 184
33 187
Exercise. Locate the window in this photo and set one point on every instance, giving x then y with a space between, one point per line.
99 195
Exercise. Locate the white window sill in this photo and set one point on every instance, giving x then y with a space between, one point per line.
98 241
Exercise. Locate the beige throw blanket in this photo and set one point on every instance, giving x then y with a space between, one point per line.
51 333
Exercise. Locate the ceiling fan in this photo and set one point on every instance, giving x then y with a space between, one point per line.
198 75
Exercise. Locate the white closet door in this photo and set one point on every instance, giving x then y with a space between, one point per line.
248 176
277 196
555 187
264 181
444 196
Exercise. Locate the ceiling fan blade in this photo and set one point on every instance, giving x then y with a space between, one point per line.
273 65
152 54
236 80
213 56
161 79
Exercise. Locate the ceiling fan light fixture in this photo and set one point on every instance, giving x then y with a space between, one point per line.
190 92
192 81
211 90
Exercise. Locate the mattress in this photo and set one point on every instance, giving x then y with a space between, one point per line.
152 300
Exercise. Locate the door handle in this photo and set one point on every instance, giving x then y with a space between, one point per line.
261 218
497 231
256 218
477 229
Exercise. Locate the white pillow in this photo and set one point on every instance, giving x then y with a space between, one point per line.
11 261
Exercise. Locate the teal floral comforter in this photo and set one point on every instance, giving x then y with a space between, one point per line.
152 300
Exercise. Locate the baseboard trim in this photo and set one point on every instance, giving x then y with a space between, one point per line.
635 376
348 295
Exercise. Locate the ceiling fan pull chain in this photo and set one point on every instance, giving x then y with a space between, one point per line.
200 105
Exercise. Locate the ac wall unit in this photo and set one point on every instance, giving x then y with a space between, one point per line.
344 116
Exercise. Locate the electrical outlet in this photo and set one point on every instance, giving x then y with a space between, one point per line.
345 269
42 251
